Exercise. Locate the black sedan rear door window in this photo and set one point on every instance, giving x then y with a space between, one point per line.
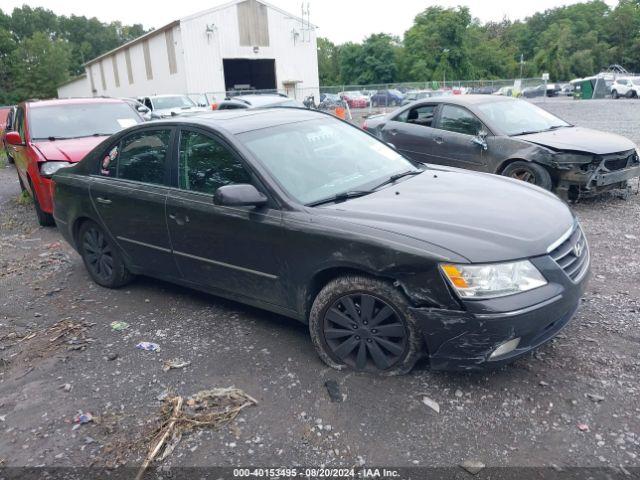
206 164
140 157
459 120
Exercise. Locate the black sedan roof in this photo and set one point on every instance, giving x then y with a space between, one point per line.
246 120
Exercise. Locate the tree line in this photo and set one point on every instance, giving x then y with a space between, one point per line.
40 50
448 43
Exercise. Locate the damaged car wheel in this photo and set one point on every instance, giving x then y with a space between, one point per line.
529 172
362 323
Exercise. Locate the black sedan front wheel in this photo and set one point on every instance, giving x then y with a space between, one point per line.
363 324
529 172
101 257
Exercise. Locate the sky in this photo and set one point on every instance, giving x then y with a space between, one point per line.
338 20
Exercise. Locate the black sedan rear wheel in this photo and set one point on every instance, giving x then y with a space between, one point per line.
101 257
363 323
529 172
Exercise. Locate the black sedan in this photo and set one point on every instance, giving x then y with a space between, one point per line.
510 137
302 214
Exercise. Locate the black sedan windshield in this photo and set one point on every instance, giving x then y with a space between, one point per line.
518 117
321 159
81 120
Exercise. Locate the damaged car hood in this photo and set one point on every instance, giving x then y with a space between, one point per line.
580 139
481 217
69 150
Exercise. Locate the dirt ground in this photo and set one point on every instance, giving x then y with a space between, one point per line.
576 402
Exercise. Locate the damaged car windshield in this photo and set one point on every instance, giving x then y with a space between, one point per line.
518 117
321 159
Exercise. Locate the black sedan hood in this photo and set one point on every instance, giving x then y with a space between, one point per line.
481 217
580 139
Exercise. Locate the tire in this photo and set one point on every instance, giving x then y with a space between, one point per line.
345 336
529 172
101 257
22 187
614 94
44 219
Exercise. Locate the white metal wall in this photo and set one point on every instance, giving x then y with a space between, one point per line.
204 52
162 81
199 57
76 88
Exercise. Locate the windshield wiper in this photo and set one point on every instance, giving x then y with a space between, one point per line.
398 176
530 132
51 138
340 197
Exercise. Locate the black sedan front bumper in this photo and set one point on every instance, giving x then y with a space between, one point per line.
465 340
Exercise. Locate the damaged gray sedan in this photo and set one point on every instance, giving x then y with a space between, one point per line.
510 137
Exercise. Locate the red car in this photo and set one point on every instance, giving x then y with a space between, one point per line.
355 99
52 134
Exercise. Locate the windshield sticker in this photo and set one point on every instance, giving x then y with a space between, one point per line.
126 122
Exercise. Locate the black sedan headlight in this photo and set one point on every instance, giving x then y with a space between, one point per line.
493 280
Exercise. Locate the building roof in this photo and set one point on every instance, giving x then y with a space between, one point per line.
189 17
133 42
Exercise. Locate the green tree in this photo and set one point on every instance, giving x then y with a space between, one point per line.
39 66
39 49
350 63
328 62
378 62
436 46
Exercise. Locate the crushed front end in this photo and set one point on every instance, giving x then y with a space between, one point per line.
581 174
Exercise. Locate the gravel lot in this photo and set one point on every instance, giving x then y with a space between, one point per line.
576 402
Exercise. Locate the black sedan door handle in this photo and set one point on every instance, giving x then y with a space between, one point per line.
104 201
439 140
179 219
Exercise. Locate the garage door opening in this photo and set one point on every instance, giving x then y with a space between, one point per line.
242 74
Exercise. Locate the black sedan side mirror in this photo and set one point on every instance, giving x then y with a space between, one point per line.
240 195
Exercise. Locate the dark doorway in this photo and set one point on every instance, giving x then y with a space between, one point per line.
243 74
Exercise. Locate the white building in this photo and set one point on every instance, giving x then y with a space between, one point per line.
244 44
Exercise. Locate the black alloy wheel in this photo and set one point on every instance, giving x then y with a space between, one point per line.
363 331
101 256
98 254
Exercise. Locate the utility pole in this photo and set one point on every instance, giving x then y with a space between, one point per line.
521 64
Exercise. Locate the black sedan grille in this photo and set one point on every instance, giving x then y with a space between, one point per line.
572 255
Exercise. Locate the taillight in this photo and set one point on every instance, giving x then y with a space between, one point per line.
214 106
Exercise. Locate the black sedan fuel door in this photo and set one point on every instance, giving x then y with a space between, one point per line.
129 195
412 134
226 248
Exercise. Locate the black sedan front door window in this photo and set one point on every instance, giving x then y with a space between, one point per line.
229 249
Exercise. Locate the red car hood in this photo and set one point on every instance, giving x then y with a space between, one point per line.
72 150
